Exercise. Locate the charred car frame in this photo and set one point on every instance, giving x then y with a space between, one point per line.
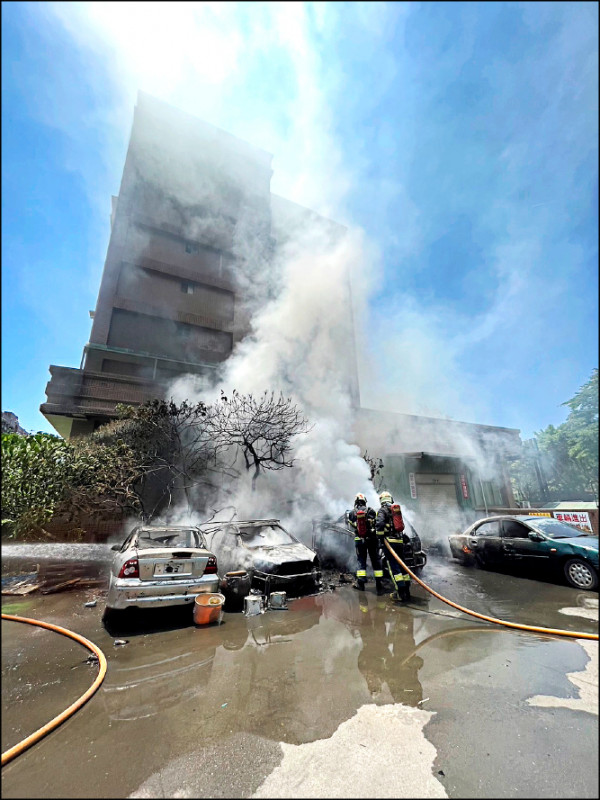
271 556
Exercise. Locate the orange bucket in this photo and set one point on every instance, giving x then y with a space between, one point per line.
208 608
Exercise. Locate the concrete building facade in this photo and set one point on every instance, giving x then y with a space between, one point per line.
194 231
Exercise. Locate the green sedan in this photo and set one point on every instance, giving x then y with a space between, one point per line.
530 542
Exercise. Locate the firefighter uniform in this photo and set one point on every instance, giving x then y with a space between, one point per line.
392 533
365 542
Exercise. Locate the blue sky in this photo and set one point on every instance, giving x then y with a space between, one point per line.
461 137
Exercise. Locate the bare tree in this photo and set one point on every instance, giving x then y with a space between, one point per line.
375 465
261 428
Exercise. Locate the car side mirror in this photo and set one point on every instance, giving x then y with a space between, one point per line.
116 547
535 537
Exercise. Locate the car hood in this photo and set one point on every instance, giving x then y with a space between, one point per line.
282 554
588 542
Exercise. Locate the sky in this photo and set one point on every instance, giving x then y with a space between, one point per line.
459 139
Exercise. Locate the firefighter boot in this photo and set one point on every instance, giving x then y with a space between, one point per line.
379 586
359 585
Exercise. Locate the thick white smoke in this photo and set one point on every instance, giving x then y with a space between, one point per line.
303 344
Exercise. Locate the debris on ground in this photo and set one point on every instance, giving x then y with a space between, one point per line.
91 604
21 586
119 642
59 587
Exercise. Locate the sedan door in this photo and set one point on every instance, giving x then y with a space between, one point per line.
485 542
517 546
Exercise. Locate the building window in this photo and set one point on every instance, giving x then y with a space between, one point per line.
191 248
187 288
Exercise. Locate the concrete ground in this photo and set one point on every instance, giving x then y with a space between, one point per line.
343 695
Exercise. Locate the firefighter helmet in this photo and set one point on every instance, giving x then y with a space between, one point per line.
360 500
386 497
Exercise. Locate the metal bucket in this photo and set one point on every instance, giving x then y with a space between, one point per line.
253 605
235 586
208 608
278 601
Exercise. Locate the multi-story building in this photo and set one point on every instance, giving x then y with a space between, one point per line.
193 233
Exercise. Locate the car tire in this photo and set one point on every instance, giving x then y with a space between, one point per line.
580 574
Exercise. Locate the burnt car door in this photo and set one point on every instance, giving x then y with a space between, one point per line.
519 546
486 542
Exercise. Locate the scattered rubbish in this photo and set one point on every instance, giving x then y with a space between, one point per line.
93 659
91 604
423 701
253 605
362 745
119 642
278 601
441 772
411 690
21 588
208 608
332 586
60 586
223 705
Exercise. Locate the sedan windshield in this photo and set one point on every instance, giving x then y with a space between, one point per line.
265 536
168 538
557 530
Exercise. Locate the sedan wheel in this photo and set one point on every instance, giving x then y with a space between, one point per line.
580 575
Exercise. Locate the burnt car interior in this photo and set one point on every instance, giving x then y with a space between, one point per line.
264 536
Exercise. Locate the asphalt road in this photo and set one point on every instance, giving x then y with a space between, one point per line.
343 695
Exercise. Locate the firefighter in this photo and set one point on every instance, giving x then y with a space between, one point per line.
390 526
362 521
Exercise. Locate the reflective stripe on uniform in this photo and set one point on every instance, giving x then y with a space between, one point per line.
361 573
378 573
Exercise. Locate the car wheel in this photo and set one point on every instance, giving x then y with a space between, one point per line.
580 574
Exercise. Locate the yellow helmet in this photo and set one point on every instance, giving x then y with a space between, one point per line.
385 497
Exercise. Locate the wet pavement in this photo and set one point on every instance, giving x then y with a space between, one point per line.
343 695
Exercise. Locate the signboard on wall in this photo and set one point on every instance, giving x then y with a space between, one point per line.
579 518
413 485
465 488
539 514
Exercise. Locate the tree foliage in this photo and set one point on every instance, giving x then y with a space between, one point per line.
151 457
563 460
36 474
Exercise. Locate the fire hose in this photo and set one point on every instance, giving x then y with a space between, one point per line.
8 755
518 626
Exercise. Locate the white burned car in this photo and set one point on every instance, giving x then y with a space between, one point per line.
271 556
161 566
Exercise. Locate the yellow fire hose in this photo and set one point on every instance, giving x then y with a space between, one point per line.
518 626
54 723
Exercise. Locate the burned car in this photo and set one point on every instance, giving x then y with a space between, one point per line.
530 542
333 540
161 566
272 558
